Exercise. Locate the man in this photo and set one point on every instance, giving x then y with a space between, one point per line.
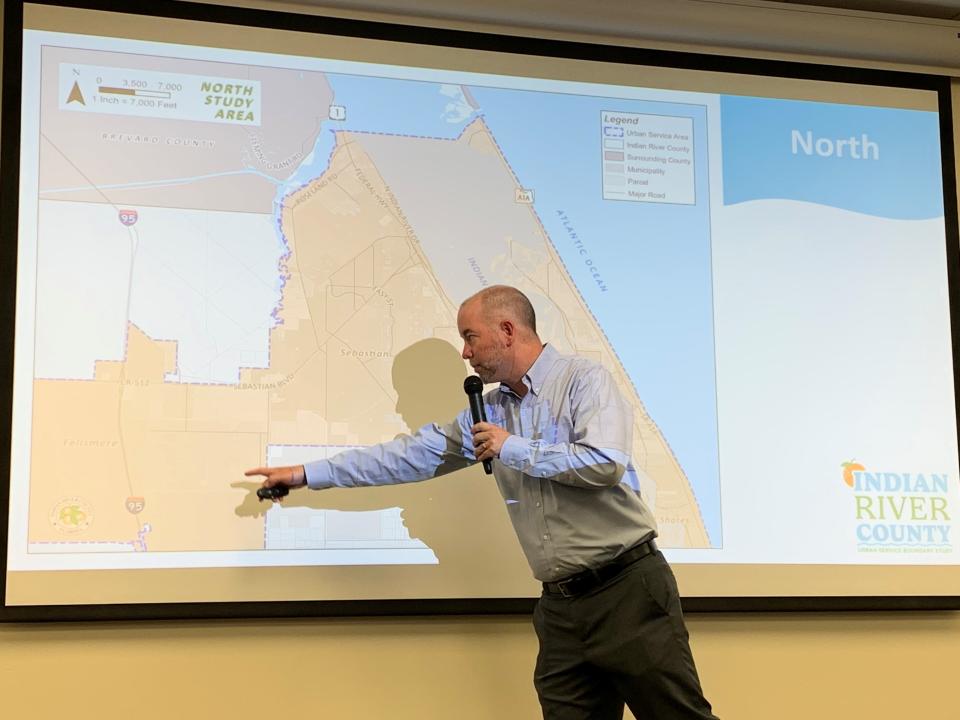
609 620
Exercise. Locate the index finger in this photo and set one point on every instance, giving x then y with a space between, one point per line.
265 471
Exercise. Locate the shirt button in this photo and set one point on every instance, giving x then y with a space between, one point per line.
546 536
538 504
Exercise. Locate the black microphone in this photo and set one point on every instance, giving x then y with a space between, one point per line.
473 387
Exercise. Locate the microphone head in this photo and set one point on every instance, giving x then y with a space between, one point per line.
473 385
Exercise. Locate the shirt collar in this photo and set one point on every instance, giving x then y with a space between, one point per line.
537 373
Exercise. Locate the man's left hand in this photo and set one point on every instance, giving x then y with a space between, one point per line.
487 440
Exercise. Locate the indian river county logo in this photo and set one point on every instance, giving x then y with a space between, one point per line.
899 512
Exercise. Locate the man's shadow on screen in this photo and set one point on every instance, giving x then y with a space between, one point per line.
459 516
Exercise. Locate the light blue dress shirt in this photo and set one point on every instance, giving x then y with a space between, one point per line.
565 472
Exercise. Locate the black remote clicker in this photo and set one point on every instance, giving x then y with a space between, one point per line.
273 493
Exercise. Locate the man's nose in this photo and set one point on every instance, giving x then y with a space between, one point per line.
466 352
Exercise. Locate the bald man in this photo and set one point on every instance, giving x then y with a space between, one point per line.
609 621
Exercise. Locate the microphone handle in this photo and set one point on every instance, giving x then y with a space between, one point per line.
480 415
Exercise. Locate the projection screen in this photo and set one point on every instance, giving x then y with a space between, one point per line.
241 238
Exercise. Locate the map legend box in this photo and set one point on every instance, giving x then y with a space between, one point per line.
647 158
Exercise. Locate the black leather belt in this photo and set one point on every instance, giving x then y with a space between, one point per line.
587 580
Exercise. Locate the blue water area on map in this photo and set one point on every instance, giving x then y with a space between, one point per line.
385 106
653 259
398 107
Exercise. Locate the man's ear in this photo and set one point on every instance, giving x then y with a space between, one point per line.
509 331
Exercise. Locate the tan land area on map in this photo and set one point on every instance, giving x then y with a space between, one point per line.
461 196
367 348
177 163
129 435
357 300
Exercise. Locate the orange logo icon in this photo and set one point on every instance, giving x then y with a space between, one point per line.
849 468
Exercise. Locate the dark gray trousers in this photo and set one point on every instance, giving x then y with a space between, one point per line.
623 642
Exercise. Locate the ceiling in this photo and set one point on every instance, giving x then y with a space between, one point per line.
931 9
912 8
906 34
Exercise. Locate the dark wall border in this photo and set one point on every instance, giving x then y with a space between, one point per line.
9 190
433 608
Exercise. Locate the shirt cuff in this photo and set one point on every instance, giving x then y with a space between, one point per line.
318 475
514 452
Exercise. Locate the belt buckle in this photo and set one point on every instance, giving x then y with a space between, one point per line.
561 586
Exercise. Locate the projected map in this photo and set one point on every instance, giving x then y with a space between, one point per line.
231 258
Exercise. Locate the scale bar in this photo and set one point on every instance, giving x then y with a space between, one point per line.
137 92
